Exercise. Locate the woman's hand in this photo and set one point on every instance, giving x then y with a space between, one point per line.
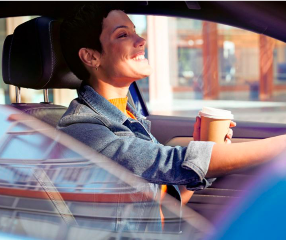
229 135
197 127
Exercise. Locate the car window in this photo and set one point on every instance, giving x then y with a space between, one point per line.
198 63
52 185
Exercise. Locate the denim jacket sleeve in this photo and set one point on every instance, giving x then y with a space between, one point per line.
152 161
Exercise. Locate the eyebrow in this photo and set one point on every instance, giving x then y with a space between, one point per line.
121 26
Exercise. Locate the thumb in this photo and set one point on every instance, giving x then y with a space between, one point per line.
197 128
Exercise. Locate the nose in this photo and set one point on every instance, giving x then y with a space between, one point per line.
140 42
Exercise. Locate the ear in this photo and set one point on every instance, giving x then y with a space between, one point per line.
89 57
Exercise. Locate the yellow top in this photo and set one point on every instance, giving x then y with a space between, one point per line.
121 104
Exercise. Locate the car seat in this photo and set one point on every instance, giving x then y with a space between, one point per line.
32 58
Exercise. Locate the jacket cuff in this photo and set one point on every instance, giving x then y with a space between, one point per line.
197 158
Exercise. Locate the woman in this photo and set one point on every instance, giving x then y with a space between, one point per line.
102 48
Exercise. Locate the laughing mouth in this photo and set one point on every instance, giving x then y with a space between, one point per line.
139 57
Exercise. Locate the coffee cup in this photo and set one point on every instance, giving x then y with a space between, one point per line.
214 124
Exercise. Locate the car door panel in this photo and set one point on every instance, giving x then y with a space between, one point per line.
165 128
213 201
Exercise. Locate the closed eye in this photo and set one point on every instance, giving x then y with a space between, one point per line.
122 35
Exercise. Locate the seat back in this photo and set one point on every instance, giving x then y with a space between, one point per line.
32 58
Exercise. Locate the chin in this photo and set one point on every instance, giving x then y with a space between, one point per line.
147 73
142 76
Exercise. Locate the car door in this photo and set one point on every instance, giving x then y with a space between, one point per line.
178 131
218 66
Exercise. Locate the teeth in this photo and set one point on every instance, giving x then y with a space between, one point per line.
140 57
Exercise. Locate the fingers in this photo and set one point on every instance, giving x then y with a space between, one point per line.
197 127
228 136
198 121
232 124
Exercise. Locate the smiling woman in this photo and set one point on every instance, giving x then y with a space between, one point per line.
122 60
109 56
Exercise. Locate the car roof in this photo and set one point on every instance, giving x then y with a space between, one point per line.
268 18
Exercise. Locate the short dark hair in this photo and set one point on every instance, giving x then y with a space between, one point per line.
82 29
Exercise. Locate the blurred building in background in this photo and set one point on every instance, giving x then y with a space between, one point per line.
191 60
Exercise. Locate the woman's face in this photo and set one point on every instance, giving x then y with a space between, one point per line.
123 50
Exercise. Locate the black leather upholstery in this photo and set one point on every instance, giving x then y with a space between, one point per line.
32 57
5 56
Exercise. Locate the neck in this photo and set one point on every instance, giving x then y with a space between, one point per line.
109 90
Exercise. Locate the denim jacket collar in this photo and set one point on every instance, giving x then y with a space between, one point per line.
104 108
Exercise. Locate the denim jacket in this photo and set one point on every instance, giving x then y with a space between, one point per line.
93 120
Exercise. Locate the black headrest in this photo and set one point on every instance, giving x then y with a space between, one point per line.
32 57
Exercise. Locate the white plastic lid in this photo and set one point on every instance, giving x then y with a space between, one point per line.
215 113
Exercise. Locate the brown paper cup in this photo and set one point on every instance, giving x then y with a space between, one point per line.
214 130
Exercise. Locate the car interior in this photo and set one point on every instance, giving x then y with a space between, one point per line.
35 61
32 58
